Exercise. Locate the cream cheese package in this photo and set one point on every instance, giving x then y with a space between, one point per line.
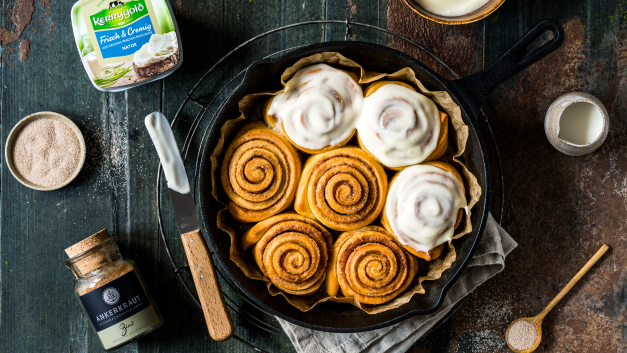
123 44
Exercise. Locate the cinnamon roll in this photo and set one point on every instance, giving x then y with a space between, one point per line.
292 251
260 173
344 189
369 265
400 126
424 206
318 109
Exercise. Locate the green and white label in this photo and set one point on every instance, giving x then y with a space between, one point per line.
114 37
120 15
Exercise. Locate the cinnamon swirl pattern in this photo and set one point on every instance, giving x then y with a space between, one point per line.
400 126
260 173
344 189
292 251
424 206
319 108
369 265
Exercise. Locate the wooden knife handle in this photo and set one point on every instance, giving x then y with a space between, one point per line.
207 285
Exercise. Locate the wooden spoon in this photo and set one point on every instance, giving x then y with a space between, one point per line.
536 321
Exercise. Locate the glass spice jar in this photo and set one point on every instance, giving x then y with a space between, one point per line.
111 291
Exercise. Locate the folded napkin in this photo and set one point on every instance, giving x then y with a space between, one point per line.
489 260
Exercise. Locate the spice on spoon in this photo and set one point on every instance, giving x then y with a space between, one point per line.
518 334
522 335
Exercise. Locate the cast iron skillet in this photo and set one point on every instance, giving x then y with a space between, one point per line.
469 93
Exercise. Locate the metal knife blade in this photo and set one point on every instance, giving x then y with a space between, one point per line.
184 211
201 266
174 170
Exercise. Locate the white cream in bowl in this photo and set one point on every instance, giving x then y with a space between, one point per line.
451 8
576 123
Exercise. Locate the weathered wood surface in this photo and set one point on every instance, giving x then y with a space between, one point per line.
560 209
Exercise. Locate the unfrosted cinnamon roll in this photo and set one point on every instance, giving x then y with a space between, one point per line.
401 127
318 109
370 265
292 251
344 189
260 173
424 206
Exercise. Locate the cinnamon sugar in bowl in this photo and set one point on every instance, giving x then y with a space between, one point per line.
45 151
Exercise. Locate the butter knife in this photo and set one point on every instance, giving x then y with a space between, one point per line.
200 263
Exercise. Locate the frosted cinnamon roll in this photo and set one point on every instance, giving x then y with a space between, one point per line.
344 189
260 173
318 109
292 251
424 205
369 265
400 126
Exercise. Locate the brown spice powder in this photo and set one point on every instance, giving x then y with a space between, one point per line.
105 275
522 335
46 152
104 263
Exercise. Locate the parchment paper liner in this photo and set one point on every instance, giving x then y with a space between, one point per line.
250 109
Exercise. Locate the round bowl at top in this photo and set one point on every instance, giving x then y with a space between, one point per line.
8 155
479 14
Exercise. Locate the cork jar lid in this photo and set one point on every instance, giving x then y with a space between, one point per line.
87 243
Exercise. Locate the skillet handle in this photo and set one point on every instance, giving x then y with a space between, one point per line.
476 88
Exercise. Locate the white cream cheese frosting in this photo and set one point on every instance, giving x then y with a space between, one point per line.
399 126
319 107
422 206
158 48
168 151
451 8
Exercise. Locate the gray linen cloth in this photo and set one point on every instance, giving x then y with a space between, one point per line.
489 260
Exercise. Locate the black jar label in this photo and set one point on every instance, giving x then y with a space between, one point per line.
120 310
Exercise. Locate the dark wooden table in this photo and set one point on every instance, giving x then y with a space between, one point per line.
560 209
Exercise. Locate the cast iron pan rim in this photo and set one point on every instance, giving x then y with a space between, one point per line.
447 286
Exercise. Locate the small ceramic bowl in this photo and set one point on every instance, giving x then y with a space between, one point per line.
554 116
479 14
20 125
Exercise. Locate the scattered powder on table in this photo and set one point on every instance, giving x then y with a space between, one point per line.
522 335
46 152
